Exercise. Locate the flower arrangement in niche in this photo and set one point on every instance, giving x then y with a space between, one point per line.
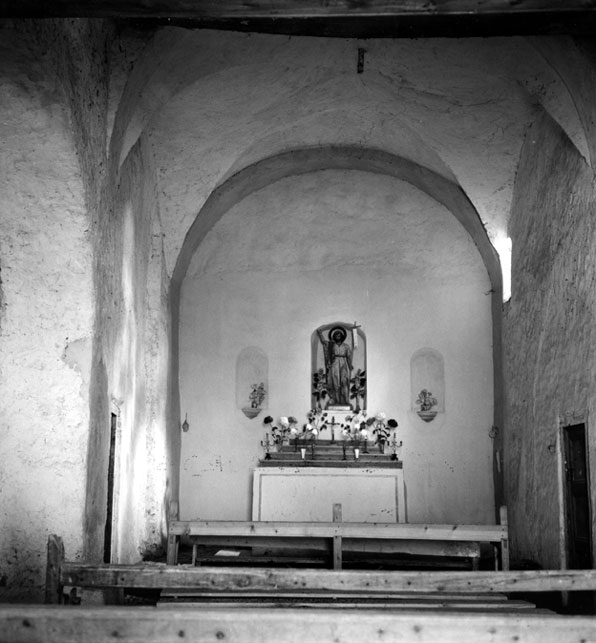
256 398
358 389
319 388
257 395
426 401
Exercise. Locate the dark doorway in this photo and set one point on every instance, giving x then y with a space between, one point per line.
107 543
577 498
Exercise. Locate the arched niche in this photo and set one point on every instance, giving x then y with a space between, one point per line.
252 381
330 367
427 380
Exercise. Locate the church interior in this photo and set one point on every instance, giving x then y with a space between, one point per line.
188 199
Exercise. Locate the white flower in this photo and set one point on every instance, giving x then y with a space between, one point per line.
284 422
364 433
381 417
294 431
309 427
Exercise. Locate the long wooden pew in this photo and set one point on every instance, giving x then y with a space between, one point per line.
337 536
391 605
64 624
24 624
249 580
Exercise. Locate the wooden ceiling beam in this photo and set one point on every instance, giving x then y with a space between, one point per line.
289 9
333 18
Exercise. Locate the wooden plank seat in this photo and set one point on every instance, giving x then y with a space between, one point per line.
34 623
278 605
337 537
251 579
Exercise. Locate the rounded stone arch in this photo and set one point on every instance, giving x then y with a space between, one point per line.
306 160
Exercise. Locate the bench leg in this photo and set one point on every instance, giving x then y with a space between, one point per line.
337 554
505 555
504 541
55 559
172 555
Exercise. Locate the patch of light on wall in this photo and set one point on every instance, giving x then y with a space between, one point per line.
503 247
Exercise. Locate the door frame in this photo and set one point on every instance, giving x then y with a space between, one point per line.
115 410
565 421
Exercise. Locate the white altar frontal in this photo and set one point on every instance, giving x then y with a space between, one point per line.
366 494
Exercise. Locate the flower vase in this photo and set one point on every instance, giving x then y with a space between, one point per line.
356 453
381 444
303 452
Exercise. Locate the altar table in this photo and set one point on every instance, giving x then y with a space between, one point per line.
366 494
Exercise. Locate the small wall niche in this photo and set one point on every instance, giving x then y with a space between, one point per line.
427 380
252 381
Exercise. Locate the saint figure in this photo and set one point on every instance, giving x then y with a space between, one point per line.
338 363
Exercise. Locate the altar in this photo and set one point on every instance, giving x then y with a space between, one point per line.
308 493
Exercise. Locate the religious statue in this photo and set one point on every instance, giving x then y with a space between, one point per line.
338 365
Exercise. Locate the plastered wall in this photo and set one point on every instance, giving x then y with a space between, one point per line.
548 332
45 320
309 250
131 359
83 318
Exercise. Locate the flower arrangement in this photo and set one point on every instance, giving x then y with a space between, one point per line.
354 430
288 427
317 419
257 395
319 388
426 400
358 388
382 428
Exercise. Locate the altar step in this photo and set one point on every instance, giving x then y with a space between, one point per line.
324 453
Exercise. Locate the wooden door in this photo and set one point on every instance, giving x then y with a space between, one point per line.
577 496
107 545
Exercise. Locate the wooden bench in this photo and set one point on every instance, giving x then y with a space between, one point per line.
392 606
244 581
337 537
35 623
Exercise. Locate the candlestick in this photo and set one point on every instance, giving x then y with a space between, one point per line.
267 445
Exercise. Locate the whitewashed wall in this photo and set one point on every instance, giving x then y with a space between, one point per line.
46 316
338 245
